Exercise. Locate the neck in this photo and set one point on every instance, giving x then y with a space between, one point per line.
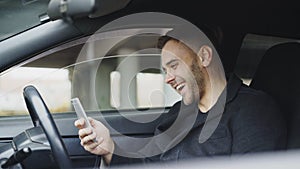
213 89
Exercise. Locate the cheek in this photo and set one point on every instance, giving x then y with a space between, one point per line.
184 71
190 77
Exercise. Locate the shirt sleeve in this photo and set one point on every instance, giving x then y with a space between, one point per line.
118 160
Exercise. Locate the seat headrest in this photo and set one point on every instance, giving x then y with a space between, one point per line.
278 71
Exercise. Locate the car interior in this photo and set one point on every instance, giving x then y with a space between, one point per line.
281 84
44 65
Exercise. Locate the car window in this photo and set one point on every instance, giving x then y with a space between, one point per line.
105 74
53 83
25 14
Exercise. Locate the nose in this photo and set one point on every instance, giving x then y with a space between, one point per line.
169 78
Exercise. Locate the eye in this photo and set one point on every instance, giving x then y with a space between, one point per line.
174 65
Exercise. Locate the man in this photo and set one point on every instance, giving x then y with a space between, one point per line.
230 117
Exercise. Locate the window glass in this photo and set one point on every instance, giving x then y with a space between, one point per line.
19 15
106 74
53 83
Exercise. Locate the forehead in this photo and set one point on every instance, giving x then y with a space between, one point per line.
175 50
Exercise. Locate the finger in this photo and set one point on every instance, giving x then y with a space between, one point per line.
90 145
84 132
89 138
79 123
96 147
92 121
98 142
100 149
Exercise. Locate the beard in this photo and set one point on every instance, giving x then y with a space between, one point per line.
198 73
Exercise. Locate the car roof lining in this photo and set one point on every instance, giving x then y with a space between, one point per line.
258 17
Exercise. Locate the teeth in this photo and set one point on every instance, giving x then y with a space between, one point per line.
179 87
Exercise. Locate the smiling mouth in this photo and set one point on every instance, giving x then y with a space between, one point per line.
179 87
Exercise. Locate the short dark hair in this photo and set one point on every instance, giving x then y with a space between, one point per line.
163 40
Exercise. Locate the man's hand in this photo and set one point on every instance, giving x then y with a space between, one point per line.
104 144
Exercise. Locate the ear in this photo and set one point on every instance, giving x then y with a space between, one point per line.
205 54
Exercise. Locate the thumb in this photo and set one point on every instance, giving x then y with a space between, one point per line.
92 121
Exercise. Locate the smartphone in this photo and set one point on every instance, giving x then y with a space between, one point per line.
81 113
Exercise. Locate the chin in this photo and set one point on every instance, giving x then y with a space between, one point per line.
188 101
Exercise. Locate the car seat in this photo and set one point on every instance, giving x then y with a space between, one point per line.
278 74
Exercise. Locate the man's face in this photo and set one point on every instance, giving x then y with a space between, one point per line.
183 72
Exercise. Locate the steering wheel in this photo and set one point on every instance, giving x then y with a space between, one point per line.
41 116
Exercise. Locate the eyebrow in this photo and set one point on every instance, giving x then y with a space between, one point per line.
171 61
168 63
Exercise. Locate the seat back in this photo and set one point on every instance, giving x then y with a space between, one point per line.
278 74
